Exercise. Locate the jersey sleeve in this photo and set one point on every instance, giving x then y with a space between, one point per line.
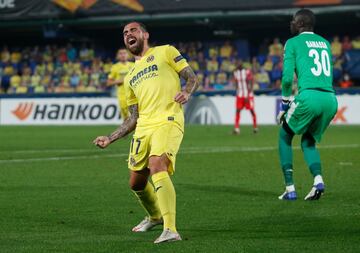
130 96
175 59
113 72
288 69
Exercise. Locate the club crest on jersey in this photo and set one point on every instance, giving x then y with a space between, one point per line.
150 58
132 161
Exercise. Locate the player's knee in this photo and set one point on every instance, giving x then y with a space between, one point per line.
307 140
137 185
138 180
158 164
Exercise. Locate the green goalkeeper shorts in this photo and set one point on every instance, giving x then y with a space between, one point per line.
311 111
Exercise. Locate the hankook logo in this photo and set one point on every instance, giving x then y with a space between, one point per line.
23 110
65 111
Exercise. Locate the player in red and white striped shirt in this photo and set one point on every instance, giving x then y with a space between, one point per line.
244 95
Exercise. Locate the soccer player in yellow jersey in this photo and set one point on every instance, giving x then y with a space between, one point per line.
155 100
116 77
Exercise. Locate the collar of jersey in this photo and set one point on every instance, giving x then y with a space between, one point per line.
307 33
146 54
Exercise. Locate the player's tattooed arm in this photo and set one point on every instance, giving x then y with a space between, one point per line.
192 82
126 127
191 85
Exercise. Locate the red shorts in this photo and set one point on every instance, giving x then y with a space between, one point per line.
247 102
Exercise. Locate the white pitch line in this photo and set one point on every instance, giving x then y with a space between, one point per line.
339 146
61 158
187 149
345 163
48 151
190 150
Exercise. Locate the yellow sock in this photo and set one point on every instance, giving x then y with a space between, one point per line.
149 202
165 193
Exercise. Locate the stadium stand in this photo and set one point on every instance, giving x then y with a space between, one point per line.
83 68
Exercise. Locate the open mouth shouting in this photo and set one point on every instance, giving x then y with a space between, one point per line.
134 45
131 41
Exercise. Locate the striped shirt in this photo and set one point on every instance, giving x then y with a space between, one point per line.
243 78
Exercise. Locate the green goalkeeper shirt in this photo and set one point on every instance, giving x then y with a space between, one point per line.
309 55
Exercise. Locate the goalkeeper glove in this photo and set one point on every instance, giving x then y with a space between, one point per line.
285 105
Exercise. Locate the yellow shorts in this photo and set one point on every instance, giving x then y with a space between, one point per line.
155 141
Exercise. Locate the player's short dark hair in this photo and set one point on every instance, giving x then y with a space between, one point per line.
142 26
307 17
121 48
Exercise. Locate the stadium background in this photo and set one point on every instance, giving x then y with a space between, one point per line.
66 48
60 194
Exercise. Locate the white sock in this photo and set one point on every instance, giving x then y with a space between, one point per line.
318 179
290 188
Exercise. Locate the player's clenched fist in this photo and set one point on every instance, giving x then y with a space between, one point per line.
102 141
182 97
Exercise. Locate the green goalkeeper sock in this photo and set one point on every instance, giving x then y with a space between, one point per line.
286 155
311 154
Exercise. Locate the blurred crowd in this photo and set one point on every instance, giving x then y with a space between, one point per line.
214 63
61 69
53 69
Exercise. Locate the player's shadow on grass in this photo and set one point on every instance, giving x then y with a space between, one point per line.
227 189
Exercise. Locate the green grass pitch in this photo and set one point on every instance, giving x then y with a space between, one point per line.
59 193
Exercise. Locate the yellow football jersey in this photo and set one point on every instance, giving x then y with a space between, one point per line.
119 70
153 83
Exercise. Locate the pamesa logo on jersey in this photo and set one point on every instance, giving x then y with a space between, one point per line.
146 73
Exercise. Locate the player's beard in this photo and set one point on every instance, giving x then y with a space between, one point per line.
138 49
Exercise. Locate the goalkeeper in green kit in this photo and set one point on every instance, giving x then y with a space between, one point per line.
310 113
